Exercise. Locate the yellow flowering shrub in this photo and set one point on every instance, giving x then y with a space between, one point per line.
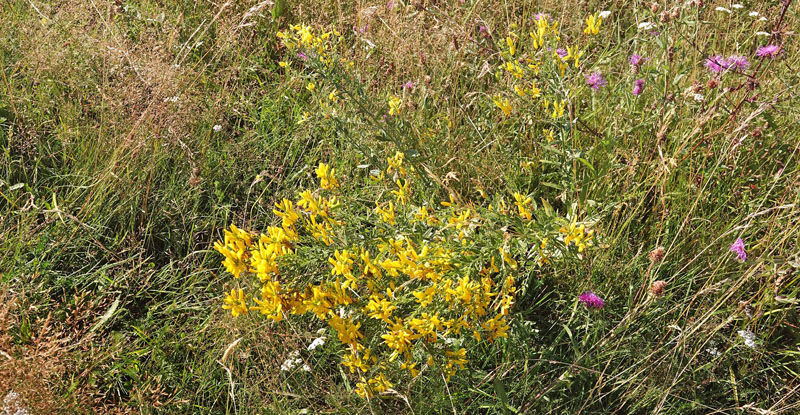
402 283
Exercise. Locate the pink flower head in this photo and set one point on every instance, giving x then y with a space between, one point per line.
738 62
408 85
591 300
635 60
716 63
595 80
562 53
540 16
302 56
769 51
390 5
738 248
638 86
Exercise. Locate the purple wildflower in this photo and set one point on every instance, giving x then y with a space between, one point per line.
638 86
595 80
390 5
591 300
635 60
738 248
717 63
769 51
408 85
540 16
302 56
562 52
738 62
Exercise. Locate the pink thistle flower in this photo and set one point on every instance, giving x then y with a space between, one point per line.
769 51
638 86
595 80
738 62
716 63
635 60
738 248
408 85
591 300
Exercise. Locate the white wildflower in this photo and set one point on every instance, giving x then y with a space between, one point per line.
749 338
753 13
217 128
605 13
293 361
305 368
722 9
646 26
737 6
699 97
762 33
762 19
316 343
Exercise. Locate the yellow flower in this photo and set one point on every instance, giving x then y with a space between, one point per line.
425 297
310 86
398 339
558 109
387 215
548 134
402 192
235 251
285 210
503 104
306 116
347 330
283 64
318 302
394 104
593 24
342 263
508 259
379 308
270 304
334 95
235 301
577 234
512 49
326 177
497 327
523 205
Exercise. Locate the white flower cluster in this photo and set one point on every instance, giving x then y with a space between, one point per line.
294 361
749 338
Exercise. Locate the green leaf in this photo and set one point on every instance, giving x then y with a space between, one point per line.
500 390
278 9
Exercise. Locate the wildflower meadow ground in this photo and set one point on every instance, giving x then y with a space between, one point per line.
467 206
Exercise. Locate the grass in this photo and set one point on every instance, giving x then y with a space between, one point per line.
114 185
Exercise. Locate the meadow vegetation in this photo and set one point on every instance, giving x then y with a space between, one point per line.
463 206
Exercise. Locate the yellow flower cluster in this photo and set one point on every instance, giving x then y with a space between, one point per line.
522 62
577 235
309 44
518 56
399 301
